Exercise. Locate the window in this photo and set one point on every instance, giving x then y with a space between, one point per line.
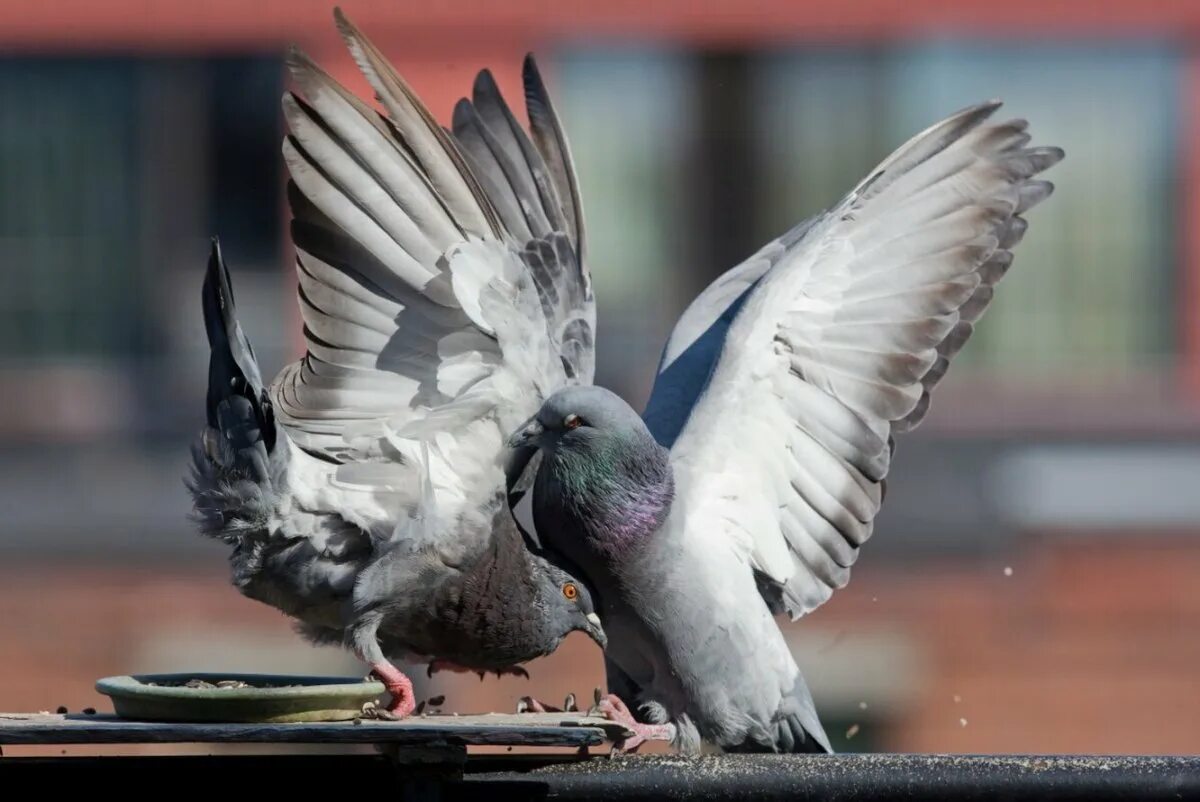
1090 295
629 118
112 168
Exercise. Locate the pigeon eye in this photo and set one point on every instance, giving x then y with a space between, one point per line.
572 421
570 591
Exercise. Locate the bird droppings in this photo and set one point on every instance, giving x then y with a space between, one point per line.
1008 570
852 731
962 722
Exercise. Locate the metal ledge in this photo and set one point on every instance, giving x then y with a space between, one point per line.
831 778
837 778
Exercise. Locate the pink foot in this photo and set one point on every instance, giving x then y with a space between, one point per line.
400 687
613 709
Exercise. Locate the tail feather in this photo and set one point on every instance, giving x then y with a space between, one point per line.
239 408
795 727
235 464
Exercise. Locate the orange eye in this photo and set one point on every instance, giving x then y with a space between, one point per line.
572 421
570 591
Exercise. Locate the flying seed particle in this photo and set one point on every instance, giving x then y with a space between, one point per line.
862 705
850 733
962 722
1008 570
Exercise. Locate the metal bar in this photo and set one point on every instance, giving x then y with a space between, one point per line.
834 778
831 778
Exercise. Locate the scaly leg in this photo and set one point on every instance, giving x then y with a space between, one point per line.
400 687
366 646
613 709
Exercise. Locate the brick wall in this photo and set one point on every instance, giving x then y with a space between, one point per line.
1089 646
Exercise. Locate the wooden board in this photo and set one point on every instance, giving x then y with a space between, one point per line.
492 729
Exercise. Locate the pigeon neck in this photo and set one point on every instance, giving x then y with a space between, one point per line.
616 495
489 605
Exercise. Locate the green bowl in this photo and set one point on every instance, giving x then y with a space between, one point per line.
258 698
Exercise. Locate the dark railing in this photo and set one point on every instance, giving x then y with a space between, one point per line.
427 759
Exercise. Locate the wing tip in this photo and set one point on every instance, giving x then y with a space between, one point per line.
303 68
484 85
217 293
343 23
1052 155
530 73
462 116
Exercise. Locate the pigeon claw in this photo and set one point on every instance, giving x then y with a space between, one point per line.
527 704
612 708
400 687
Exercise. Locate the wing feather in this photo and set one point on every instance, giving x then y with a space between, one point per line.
844 330
441 293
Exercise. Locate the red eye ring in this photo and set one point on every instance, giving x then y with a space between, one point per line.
572 421
570 591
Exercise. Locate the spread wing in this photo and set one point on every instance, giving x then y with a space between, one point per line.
835 349
441 280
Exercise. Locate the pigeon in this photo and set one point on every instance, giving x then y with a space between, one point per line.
747 487
444 295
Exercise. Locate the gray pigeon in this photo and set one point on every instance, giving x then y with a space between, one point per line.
754 477
444 297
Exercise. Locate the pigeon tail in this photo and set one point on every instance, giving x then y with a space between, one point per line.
235 463
795 728
239 409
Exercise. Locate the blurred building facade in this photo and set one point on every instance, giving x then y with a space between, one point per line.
1033 583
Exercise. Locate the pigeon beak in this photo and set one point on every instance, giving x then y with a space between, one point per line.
522 447
529 434
596 630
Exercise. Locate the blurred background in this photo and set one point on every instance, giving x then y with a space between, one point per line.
1034 581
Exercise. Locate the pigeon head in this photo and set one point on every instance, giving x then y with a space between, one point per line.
603 483
566 604
579 418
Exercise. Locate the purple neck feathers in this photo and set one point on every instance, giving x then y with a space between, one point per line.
612 497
